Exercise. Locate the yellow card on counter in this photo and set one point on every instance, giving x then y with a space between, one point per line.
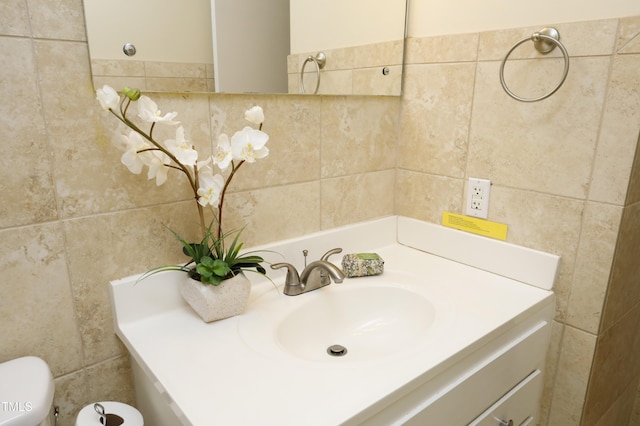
477 226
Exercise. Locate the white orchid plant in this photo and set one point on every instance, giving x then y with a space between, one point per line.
211 261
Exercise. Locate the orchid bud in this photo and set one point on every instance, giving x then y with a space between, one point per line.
133 94
254 115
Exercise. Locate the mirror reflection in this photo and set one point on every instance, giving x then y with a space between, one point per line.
253 46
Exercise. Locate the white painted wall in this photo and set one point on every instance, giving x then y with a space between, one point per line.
437 17
179 31
331 24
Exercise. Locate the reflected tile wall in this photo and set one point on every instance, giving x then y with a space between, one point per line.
152 75
562 174
351 70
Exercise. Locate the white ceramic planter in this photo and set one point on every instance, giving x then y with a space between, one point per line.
214 303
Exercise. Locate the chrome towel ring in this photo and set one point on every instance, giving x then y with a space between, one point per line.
544 41
320 61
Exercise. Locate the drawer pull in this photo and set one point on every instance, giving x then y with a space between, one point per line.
505 422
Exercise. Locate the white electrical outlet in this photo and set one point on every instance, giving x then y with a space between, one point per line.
478 191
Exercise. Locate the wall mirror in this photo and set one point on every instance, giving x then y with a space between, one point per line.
248 46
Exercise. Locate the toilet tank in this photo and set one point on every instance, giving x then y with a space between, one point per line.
26 392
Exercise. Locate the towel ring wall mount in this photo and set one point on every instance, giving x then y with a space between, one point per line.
545 41
320 60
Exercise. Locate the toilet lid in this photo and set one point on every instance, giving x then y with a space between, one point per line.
26 391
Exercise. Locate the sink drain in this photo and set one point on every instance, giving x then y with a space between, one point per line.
337 350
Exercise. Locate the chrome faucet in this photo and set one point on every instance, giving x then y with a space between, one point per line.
314 276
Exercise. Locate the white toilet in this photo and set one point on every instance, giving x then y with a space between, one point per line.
26 392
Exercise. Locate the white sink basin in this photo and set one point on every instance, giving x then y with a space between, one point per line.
371 318
367 321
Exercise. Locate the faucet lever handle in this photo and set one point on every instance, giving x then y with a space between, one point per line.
292 285
292 273
324 276
330 252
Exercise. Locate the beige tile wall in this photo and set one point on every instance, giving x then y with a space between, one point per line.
73 218
560 170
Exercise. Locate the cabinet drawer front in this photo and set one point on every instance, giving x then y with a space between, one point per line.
519 405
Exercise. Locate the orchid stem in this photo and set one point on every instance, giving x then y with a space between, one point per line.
192 182
198 205
234 168
190 173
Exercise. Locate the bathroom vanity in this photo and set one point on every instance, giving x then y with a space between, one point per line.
454 332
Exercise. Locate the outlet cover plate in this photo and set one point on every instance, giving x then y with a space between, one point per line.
478 192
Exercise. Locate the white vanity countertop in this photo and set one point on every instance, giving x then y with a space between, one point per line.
215 374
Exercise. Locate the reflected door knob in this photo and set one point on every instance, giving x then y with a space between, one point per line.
129 49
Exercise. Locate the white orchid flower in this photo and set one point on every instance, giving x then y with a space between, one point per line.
206 163
108 98
182 149
149 112
223 156
254 115
210 188
157 160
131 157
248 144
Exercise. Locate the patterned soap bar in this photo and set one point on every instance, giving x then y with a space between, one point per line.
362 264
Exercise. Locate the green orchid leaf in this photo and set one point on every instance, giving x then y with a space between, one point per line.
213 262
